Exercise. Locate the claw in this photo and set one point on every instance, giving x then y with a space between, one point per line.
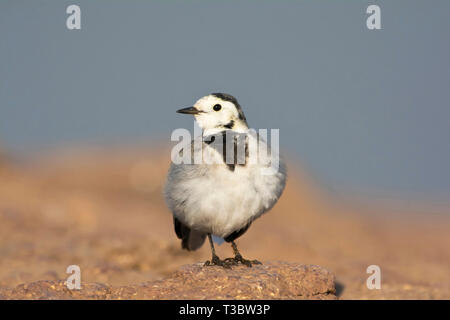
249 263
238 257
215 261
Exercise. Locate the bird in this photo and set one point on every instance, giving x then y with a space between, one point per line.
223 194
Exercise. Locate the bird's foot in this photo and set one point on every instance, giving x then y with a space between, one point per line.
238 258
215 261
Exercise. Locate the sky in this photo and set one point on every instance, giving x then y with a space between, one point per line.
361 110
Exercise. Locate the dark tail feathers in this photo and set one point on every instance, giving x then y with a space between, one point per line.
190 239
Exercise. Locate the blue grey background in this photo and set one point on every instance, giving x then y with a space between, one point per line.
365 111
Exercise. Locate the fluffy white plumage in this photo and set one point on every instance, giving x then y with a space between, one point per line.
212 198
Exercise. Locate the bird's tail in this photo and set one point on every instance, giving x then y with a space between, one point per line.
193 241
190 239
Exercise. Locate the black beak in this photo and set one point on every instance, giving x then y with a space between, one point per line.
189 110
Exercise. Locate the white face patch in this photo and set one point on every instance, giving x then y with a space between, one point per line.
224 116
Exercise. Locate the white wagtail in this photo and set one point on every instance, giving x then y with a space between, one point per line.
221 197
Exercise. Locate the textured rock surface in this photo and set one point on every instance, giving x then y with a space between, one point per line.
275 280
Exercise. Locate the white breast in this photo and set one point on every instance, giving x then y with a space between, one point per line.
213 199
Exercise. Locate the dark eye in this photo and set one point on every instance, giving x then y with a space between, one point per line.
217 107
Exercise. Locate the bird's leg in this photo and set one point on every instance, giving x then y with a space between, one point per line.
215 260
238 257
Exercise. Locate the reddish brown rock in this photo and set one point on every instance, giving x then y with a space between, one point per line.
274 280
55 290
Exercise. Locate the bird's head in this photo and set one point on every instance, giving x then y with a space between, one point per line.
217 112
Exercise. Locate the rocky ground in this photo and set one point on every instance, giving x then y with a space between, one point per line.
103 210
274 280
